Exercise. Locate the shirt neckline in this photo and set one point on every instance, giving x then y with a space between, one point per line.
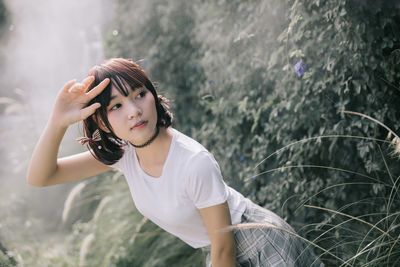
152 178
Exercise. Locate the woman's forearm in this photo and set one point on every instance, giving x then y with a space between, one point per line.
44 158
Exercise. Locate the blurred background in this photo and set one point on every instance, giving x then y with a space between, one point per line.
262 84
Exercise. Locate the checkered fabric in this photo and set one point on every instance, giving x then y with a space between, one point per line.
269 247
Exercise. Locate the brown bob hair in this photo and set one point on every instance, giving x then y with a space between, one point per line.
124 75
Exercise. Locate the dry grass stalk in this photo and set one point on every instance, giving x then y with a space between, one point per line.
101 206
85 248
137 230
70 200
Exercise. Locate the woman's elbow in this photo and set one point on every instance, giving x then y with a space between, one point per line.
223 256
226 249
34 181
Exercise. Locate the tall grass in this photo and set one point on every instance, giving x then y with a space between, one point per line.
368 238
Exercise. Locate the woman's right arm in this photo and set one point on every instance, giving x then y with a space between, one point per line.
70 106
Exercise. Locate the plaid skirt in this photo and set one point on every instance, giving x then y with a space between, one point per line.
268 247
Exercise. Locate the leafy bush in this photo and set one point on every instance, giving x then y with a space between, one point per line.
351 53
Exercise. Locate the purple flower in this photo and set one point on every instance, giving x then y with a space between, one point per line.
241 159
300 68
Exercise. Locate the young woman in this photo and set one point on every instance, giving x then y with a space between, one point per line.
174 181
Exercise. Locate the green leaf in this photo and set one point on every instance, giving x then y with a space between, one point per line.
296 53
243 104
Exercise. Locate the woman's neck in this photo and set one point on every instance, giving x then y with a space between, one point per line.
157 151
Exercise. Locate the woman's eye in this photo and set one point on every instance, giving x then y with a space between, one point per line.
141 94
116 106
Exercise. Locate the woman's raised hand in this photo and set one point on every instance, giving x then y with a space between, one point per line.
71 102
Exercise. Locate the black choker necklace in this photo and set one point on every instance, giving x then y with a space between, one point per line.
150 140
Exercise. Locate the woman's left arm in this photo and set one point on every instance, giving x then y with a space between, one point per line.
223 246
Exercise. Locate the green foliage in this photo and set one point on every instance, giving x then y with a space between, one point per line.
351 54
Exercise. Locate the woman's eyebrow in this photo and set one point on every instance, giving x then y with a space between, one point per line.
113 97
117 95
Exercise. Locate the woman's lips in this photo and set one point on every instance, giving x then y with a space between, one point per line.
140 125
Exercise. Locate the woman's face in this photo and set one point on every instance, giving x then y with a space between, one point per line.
134 117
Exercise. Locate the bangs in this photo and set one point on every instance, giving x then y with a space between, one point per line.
123 78
124 85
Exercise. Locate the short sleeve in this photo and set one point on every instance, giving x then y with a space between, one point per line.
205 185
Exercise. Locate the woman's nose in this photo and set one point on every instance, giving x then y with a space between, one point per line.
134 111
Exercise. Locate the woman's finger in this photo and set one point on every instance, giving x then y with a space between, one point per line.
68 85
81 87
86 112
77 87
98 89
87 81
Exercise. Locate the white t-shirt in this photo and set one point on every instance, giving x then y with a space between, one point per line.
191 179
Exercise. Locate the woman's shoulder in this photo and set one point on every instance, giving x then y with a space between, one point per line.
187 146
192 152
